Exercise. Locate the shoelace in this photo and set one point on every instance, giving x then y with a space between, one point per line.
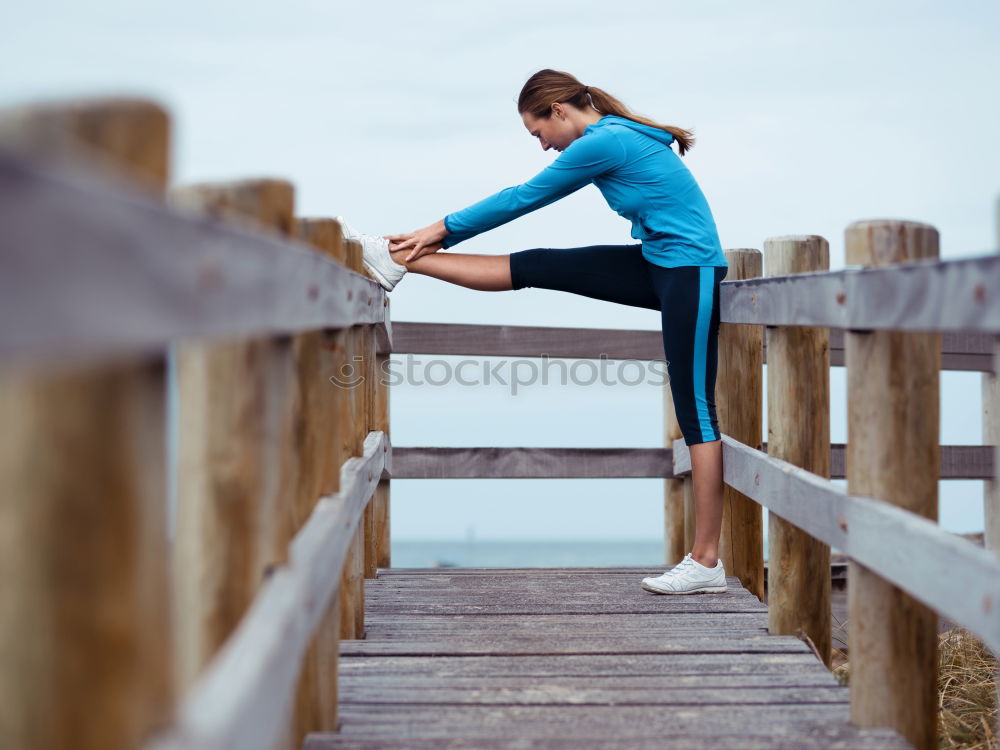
681 566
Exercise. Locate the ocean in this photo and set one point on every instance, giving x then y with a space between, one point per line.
526 554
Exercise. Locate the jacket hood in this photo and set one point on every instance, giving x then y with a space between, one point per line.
655 133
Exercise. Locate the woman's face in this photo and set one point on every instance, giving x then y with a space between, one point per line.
555 131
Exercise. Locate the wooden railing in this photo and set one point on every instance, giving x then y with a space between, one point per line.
111 636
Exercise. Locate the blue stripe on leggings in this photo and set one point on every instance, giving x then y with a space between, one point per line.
706 283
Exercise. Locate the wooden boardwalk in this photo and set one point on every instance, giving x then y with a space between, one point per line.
582 658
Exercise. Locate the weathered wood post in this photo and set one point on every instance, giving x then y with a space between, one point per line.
798 431
383 556
85 639
235 502
674 543
316 701
740 408
893 455
352 432
991 435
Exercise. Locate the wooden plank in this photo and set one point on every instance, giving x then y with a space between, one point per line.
469 624
960 350
136 275
244 697
361 680
849 740
534 666
578 643
815 721
920 295
610 695
85 615
522 463
525 341
903 546
957 462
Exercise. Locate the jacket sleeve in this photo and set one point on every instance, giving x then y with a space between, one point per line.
587 157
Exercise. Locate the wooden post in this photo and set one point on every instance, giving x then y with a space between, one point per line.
688 512
674 543
893 455
85 639
235 499
383 552
739 404
353 428
316 701
991 436
798 431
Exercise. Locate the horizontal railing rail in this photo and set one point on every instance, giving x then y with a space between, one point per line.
435 462
120 272
925 295
959 350
907 549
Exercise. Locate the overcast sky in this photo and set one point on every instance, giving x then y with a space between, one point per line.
808 116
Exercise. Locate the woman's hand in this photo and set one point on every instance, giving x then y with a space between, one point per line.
421 242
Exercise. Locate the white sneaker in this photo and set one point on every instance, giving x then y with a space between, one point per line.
378 261
689 577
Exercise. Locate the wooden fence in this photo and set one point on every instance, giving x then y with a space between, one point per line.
113 636
113 632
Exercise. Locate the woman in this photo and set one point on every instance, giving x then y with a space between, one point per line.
676 269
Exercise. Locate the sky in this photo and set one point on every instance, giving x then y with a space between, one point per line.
808 116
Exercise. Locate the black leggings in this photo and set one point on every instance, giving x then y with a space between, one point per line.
687 298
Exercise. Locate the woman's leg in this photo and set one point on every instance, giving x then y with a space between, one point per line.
487 273
690 297
613 273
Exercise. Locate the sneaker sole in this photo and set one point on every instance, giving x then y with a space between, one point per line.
705 590
378 276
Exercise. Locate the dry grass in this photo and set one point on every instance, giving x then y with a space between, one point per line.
967 690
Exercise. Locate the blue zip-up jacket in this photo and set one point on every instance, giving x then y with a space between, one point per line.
640 177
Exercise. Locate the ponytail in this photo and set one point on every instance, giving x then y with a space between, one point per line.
546 87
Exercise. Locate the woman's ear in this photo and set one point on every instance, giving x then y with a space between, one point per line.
558 111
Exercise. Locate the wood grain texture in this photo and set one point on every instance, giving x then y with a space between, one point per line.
137 275
245 697
904 547
675 546
739 402
893 455
383 546
319 462
798 431
960 350
915 294
354 384
85 614
236 494
991 437
603 677
491 462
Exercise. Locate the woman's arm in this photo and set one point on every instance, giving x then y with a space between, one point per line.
584 159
